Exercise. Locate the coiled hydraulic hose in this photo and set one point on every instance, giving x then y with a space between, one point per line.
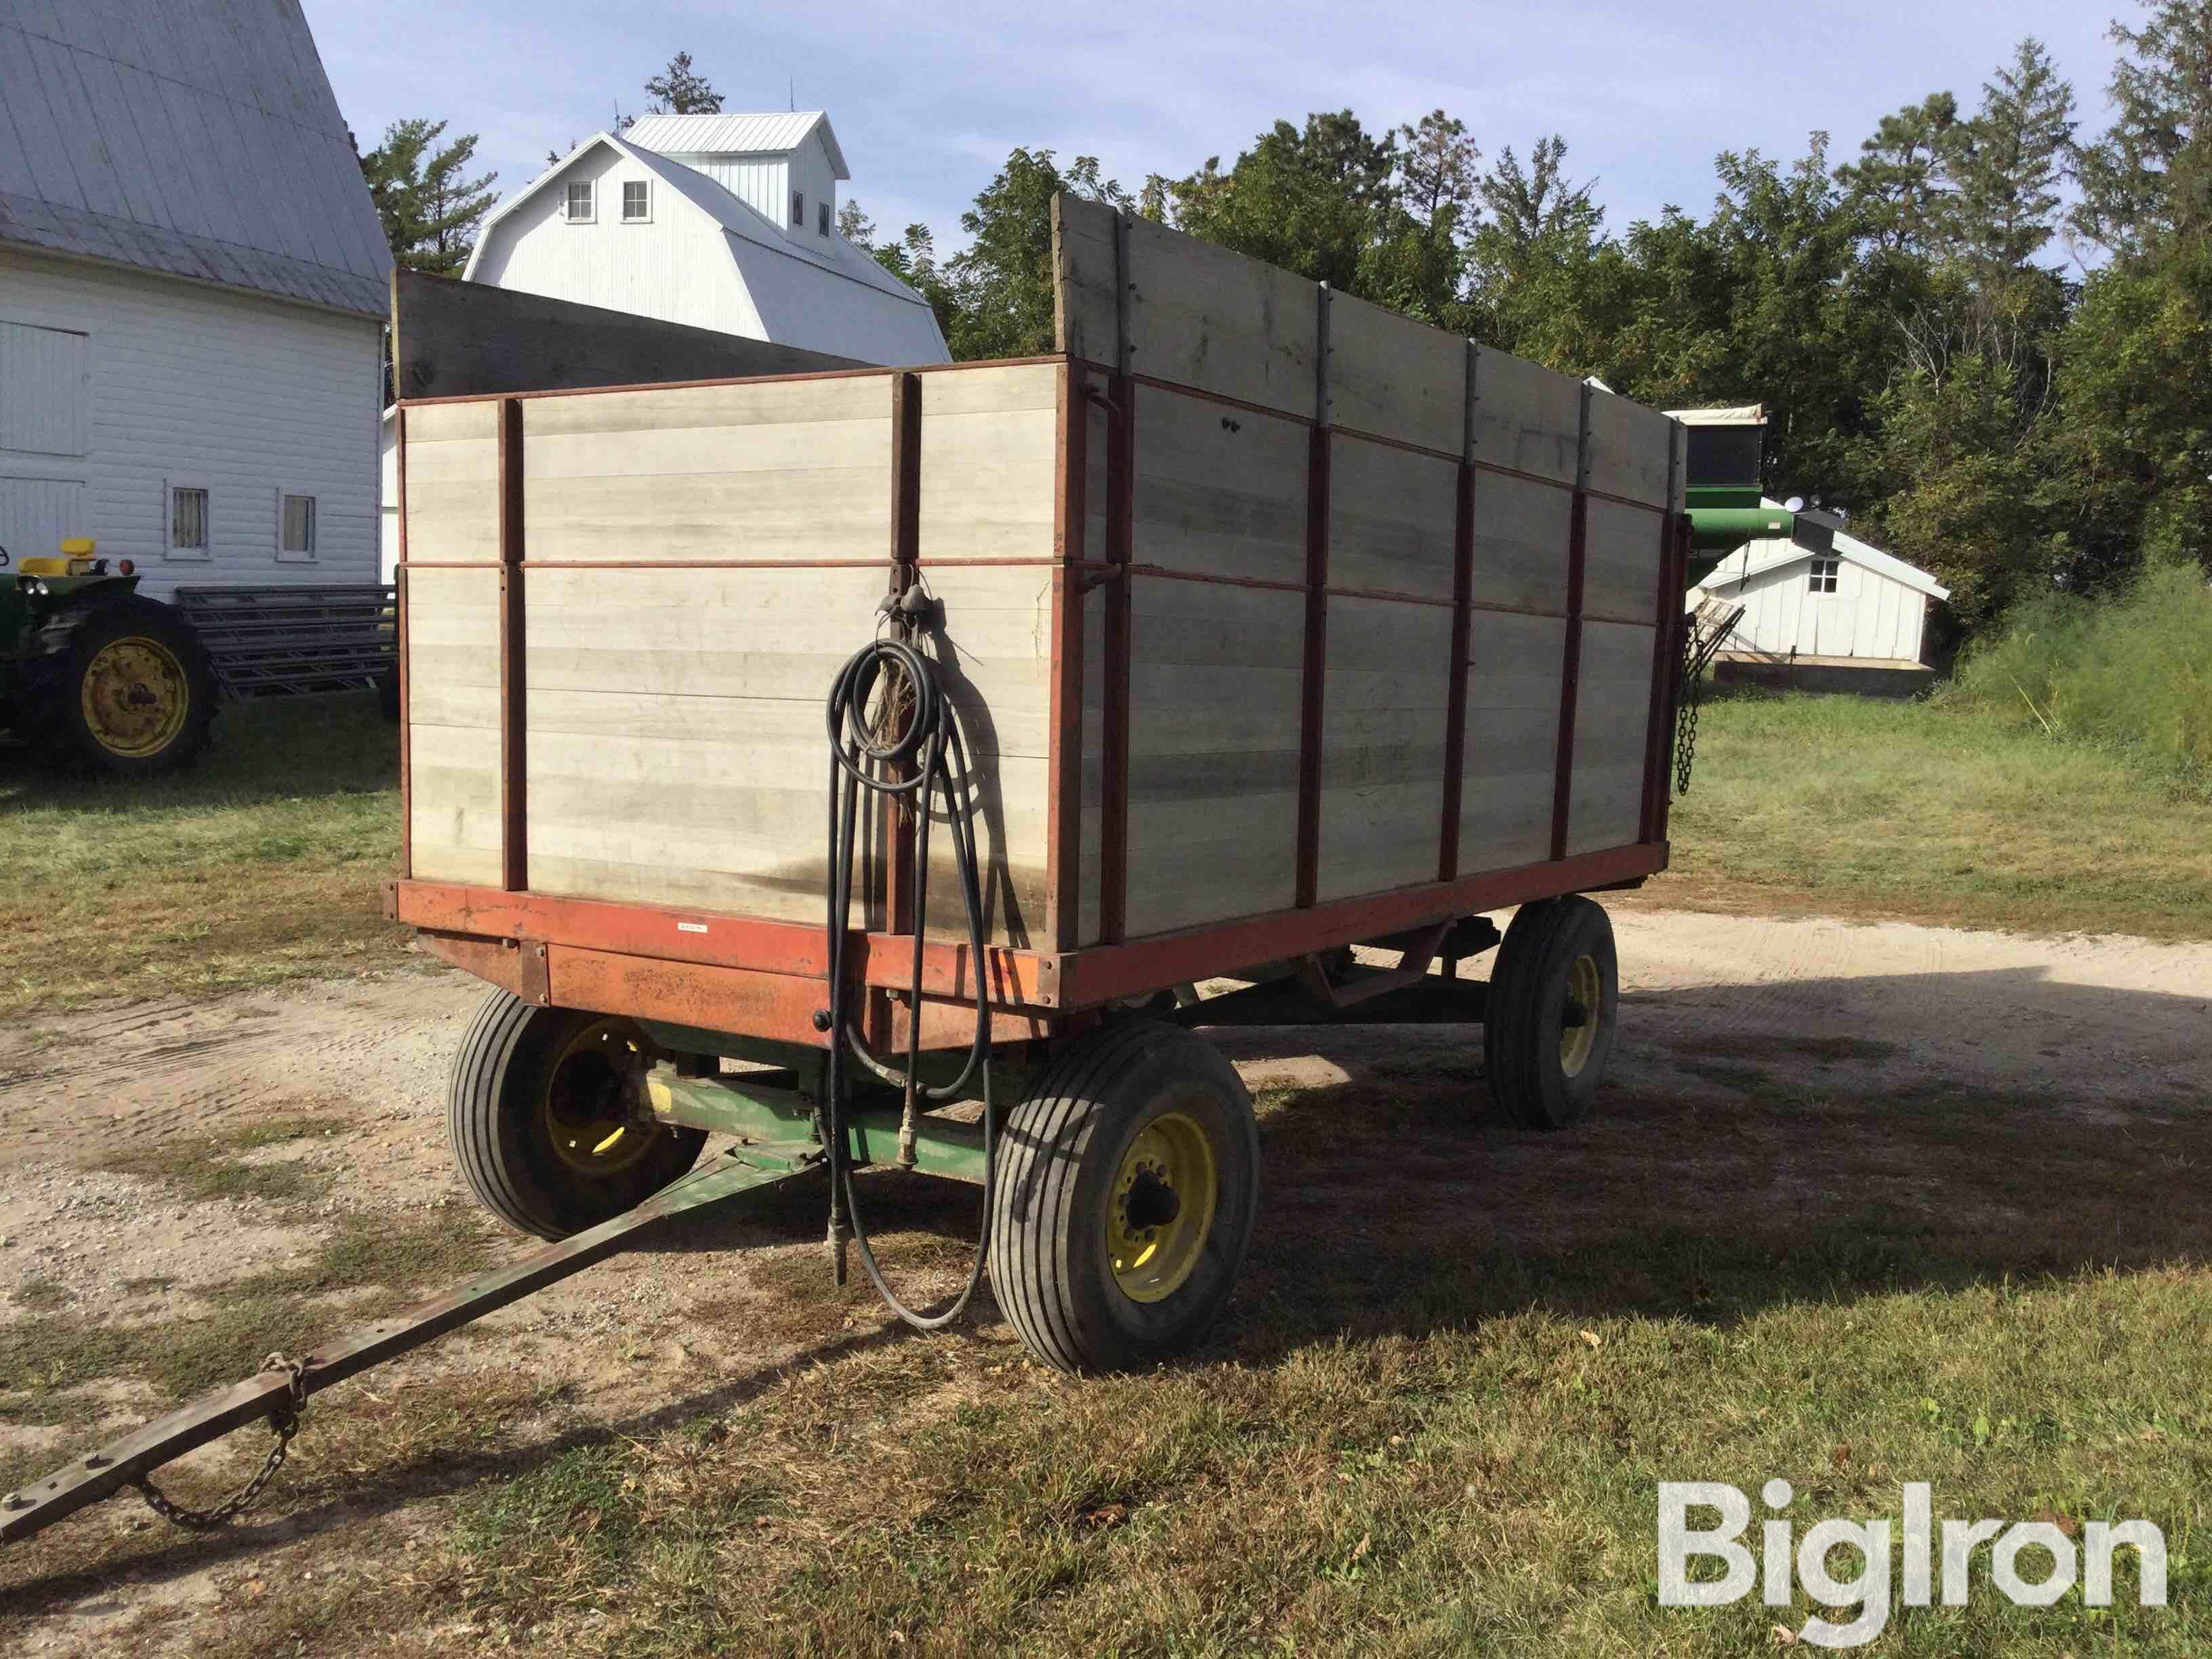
893 733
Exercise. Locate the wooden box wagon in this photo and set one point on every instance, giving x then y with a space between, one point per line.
1253 624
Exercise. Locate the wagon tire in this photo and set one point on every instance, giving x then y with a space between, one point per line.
1128 1185
533 1106
1553 1012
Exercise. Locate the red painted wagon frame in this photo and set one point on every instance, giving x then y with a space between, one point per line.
756 978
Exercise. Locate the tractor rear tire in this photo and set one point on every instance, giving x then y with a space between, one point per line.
538 1130
120 687
1128 1184
1554 1006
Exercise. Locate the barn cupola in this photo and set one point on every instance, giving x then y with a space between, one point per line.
785 167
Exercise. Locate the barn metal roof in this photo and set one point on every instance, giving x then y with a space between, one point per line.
735 134
195 137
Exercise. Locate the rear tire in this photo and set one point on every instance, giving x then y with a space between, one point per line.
1127 1186
1553 1007
534 1098
120 687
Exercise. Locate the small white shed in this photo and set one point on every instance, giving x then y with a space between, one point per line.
1845 603
720 222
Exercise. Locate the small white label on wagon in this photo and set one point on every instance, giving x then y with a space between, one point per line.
690 927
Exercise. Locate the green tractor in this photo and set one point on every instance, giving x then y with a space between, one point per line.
94 676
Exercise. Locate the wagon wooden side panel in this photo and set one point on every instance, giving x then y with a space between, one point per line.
1274 621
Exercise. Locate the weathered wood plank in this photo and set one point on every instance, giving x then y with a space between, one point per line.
1201 316
1218 490
1621 566
1611 714
452 483
1392 517
1383 714
1512 739
463 339
1085 297
990 444
1629 448
1521 534
1394 377
1526 416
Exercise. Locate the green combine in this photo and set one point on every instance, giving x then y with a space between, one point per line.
95 677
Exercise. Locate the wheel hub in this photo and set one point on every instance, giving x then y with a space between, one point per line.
134 697
584 1113
1578 1015
1161 1208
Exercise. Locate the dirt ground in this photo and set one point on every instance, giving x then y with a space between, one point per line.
1713 1006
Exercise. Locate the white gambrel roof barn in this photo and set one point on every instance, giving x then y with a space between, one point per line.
1847 601
193 287
720 222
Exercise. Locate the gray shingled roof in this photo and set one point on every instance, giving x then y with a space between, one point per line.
197 137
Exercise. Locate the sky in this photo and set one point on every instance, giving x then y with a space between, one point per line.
928 100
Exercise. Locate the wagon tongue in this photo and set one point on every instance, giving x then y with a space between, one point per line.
276 1393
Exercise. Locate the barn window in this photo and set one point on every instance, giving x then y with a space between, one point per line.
1823 577
296 539
637 202
188 521
579 201
821 218
799 207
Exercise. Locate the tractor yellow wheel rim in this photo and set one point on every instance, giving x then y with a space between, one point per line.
581 1112
136 697
1161 1208
1578 1019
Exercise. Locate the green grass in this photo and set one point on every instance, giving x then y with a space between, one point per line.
263 864
204 1167
1935 811
2133 670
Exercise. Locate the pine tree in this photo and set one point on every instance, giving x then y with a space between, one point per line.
2149 179
1901 183
681 90
429 207
2014 158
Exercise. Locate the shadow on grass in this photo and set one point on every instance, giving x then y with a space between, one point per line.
270 749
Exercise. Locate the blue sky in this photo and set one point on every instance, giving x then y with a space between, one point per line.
927 102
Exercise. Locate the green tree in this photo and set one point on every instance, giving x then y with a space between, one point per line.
999 286
912 259
1538 262
1900 186
2010 167
2150 177
681 90
1312 200
429 206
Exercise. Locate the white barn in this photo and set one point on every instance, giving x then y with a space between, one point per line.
720 222
192 288
1846 604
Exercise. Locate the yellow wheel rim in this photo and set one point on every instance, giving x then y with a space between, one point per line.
1161 1208
1578 1019
581 1112
136 697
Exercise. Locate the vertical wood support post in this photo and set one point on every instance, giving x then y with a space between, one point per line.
1064 801
1315 663
399 626
514 676
1121 537
894 826
1666 649
1570 668
1463 626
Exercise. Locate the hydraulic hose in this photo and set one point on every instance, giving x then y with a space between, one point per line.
893 734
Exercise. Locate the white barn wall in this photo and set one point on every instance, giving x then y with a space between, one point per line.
761 182
241 395
672 267
1869 615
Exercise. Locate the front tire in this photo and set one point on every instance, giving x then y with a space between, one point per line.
121 687
1553 1008
1127 1186
539 1129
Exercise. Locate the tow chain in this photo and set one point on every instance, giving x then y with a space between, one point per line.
1685 714
283 1419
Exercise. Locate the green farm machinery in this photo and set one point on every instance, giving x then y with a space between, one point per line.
94 675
